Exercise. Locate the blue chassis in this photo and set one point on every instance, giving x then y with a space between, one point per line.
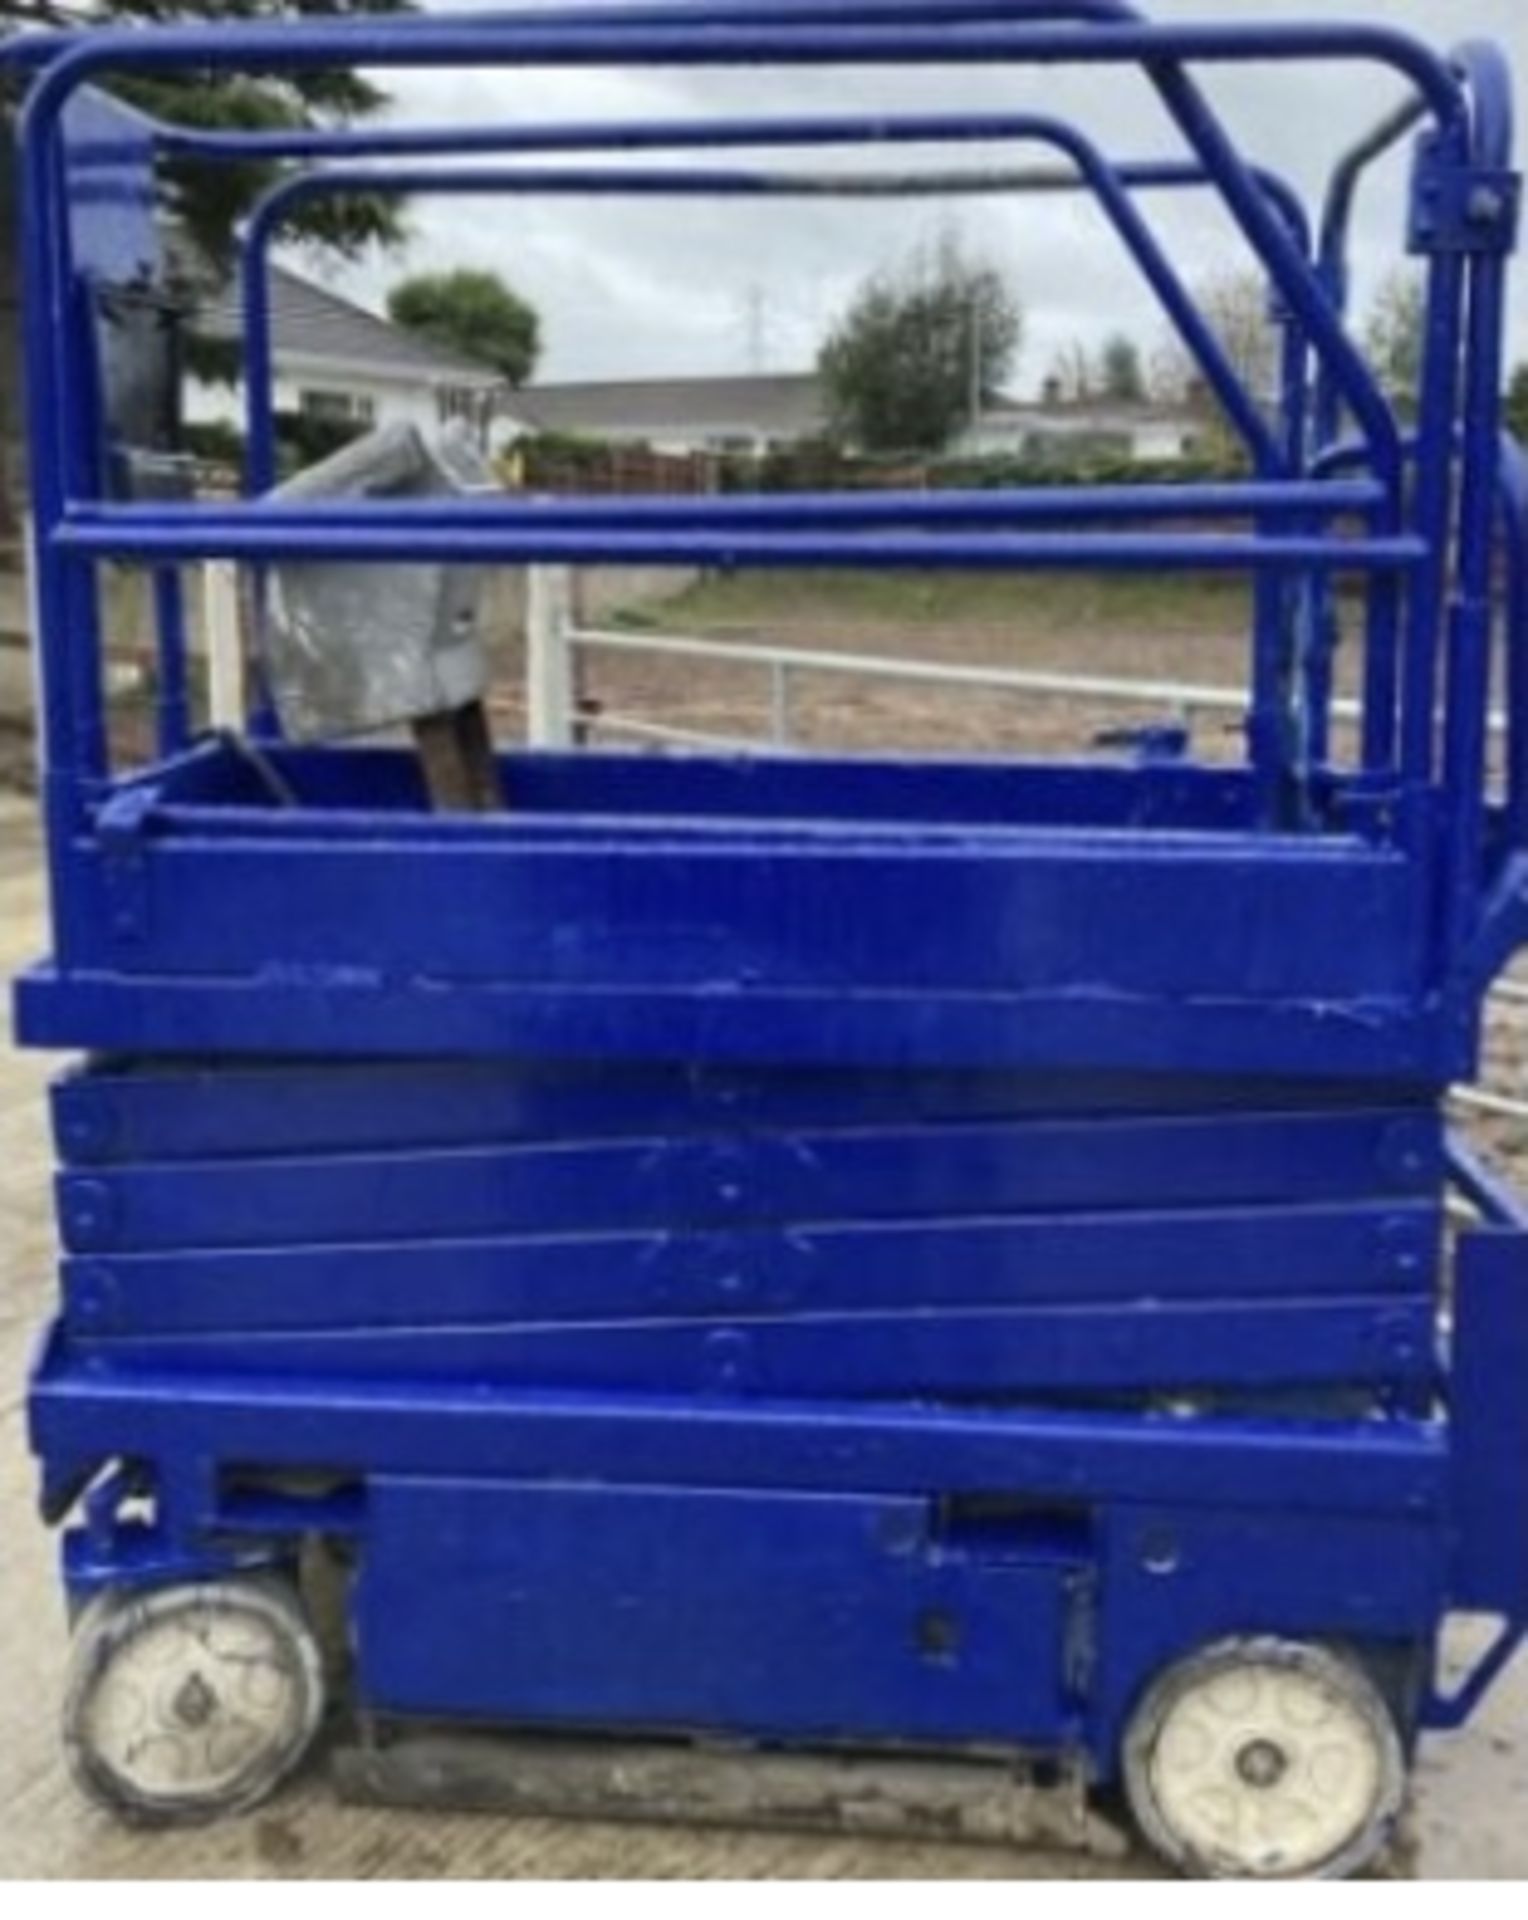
831 1251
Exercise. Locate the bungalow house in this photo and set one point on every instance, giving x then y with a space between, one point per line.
336 361
728 413
1052 429
750 413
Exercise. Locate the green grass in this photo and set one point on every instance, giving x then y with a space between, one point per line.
1056 603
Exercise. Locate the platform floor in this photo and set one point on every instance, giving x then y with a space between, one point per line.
1471 1818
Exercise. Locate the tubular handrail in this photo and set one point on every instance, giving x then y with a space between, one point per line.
696 183
373 142
1479 65
1490 146
804 32
274 206
1160 50
1090 168
1483 67
354 143
1456 290
434 42
1514 507
35 47
999 507
685 15
439 43
1342 190
1470 625
1104 181
689 13
1488 142
446 530
1433 507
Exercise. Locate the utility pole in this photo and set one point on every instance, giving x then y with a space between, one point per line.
975 407
756 326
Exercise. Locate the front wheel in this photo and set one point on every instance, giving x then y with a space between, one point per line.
1265 1759
187 1702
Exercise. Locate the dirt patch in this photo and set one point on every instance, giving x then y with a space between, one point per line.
1193 632
18 757
1502 1138
971 624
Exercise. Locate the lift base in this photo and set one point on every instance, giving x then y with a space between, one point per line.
976 1802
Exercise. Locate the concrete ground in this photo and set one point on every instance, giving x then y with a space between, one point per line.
1471 1819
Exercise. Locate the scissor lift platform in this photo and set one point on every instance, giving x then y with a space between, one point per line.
941 1260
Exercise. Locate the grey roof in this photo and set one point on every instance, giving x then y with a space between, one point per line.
784 406
310 321
787 405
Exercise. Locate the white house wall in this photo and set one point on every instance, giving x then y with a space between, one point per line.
1164 442
393 401
1032 435
680 438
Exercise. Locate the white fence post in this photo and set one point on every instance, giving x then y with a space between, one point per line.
548 657
227 695
780 704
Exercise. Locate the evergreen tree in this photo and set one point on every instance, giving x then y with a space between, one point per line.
920 351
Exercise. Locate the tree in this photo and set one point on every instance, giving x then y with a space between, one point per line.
473 313
1394 336
1120 371
919 351
208 201
1071 376
1235 306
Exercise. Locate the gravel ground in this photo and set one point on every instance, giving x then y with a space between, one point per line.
1063 628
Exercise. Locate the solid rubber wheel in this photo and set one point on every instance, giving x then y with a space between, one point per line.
1265 1759
187 1702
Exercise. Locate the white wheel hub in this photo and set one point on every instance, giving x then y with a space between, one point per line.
1266 1760
191 1700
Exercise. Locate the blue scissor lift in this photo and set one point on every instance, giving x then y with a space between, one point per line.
846 1255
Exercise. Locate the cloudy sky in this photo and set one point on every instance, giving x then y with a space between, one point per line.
627 290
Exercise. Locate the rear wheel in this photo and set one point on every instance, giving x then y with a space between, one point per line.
186 1702
1265 1759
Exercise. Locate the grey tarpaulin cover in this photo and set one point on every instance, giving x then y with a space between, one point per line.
350 647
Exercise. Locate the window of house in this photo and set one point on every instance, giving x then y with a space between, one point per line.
334 403
459 403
